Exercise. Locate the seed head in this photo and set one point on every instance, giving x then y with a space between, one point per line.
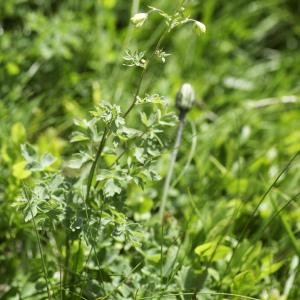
185 97
139 19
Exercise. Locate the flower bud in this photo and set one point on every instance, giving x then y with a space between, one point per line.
139 19
185 97
199 27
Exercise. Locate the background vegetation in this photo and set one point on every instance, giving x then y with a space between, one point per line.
232 218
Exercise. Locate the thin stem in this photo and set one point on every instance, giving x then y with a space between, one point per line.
66 264
180 263
159 42
144 71
39 243
171 165
273 217
116 71
77 256
285 169
90 252
161 256
89 185
121 282
190 157
286 225
93 167
136 94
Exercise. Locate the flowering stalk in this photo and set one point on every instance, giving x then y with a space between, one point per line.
184 101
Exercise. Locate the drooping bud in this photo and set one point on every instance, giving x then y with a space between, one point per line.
139 19
199 27
185 97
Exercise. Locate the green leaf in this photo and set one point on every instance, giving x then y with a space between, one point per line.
144 119
244 282
170 260
78 137
19 170
47 160
207 249
29 152
138 154
78 160
30 212
110 188
18 133
34 166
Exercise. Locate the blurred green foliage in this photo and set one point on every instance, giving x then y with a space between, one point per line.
60 58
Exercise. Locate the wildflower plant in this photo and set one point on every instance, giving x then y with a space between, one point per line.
172 21
81 206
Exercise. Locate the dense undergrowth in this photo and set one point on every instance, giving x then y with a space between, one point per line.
88 123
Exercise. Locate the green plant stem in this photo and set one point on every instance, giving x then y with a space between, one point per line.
273 217
90 252
39 244
89 185
162 37
93 167
171 165
66 263
181 245
284 170
158 45
161 257
121 282
286 225
116 71
190 157
135 98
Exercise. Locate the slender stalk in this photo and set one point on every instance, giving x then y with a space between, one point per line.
286 225
191 155
60 282
101 146
283 171
181 245
66 263
93 167
77 258
90 252
136 93
121 282
161 257
158 45
277 213
39 243
171 165
144 72
116 71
